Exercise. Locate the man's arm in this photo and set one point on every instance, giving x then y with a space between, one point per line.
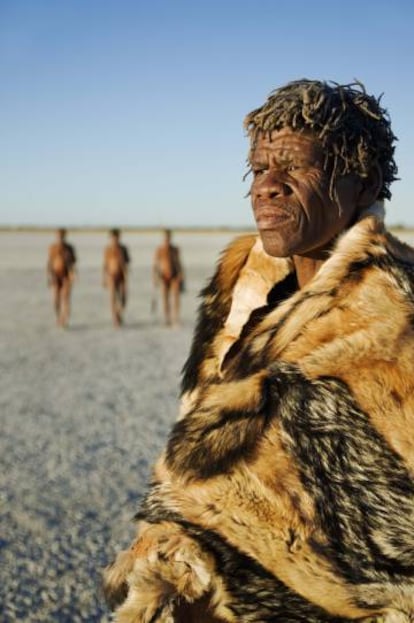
156 268
71 261
125 260
178 265
49 271
105 269
73 254
127 257
179 270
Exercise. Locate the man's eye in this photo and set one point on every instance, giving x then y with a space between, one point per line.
258 171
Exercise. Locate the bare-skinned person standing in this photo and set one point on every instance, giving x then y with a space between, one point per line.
115 275
168 275
61 271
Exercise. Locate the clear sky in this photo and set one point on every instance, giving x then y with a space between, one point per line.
130 112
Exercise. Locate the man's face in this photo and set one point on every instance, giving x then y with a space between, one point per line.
290 195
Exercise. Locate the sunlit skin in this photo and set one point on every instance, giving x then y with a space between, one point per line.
115 275
294 212
168 274
61 270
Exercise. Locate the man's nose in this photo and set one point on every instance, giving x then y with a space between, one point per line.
272 185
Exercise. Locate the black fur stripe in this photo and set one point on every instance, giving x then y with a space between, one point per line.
211 317
363 492
213 311
208 442
256 596
239 352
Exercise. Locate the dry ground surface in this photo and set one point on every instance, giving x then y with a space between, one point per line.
84 413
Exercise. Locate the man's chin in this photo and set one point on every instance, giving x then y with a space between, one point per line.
273 244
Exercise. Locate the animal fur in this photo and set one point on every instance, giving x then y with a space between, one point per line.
286 490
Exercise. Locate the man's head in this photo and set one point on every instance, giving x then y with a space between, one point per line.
61 234
351 126
167 235
115 234
320 154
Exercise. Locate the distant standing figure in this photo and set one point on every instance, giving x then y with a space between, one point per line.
168 273
115 274
61 270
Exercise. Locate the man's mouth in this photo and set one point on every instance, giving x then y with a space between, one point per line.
269 217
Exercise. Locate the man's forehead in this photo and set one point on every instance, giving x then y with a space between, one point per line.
286 140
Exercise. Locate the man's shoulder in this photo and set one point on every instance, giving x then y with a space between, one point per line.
234 256
241 244
400 250
244 276
218 292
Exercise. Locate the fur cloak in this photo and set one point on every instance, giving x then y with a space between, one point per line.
286 490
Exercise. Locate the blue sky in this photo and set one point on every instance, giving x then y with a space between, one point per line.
130 112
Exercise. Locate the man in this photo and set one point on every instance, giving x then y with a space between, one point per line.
115 274
168 274
286 490
61 270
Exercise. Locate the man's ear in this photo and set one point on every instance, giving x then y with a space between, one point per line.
370 187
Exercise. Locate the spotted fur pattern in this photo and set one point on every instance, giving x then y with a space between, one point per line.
286 490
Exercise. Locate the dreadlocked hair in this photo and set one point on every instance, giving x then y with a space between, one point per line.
354 130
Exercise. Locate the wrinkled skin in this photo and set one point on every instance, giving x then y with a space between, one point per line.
294 211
